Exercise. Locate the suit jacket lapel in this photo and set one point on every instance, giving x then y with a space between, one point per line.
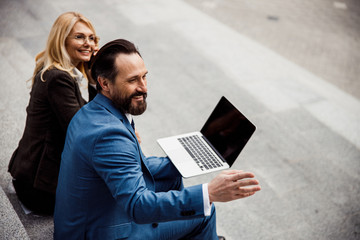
107 104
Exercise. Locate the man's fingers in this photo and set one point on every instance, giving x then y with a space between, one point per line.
241 175
247 182
249 189
244 195
231 171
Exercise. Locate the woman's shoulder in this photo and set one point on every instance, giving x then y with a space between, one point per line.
55 73
54 77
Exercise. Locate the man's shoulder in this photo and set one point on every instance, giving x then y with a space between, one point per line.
97 117
93 124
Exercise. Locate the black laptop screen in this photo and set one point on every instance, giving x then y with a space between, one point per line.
228 130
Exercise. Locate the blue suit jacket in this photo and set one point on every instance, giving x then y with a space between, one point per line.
107 187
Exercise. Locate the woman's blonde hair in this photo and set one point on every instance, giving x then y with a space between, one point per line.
55 54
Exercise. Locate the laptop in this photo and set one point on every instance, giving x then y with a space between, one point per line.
215 147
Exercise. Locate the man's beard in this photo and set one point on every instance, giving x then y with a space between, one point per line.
124 103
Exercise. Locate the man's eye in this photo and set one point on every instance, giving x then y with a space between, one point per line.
92 38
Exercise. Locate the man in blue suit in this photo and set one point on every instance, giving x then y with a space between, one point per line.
107 188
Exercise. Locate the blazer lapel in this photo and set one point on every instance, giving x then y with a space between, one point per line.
107 104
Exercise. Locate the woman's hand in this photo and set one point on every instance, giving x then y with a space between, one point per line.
138 136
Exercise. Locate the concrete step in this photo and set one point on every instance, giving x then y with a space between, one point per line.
10 225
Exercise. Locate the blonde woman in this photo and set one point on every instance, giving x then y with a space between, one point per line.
60 87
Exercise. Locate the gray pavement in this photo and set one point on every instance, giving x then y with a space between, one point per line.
292 67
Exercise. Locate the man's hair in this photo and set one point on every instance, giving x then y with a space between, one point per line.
103 63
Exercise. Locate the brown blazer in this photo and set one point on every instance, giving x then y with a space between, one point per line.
52 105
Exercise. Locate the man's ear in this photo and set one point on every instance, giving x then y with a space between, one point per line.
104 83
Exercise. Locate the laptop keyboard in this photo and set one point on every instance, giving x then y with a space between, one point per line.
200 153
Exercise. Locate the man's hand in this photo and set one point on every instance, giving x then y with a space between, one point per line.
230 185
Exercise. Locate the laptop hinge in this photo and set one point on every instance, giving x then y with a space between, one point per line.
214 149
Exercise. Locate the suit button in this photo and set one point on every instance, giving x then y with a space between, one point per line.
155 225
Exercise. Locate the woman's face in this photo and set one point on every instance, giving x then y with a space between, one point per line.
80 44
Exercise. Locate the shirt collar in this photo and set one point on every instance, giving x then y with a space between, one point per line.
78 75
82 82
129 117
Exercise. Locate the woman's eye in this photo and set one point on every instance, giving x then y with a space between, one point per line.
79 37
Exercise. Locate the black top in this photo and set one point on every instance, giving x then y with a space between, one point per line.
52 105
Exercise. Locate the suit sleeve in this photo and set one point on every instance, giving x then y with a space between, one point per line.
161 168
63 97
116 158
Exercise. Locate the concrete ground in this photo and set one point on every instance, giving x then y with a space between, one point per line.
292 67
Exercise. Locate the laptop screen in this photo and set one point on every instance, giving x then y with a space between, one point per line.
228 130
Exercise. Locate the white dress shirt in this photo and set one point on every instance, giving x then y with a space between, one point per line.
83 84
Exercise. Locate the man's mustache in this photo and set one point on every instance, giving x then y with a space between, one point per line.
139 94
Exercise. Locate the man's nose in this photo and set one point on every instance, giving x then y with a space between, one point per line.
142 86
